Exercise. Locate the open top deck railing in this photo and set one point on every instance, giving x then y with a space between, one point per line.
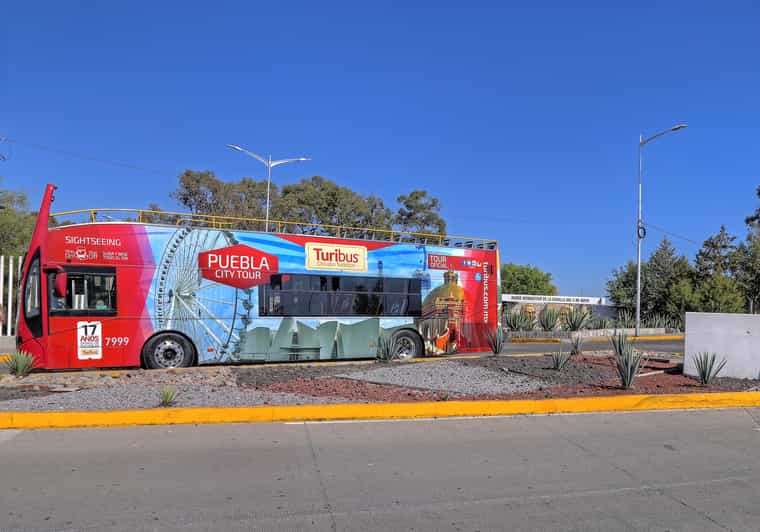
257 224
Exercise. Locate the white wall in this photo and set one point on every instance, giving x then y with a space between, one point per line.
735 337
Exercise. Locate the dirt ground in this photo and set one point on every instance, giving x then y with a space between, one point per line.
591 374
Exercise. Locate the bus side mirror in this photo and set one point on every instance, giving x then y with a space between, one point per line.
59 288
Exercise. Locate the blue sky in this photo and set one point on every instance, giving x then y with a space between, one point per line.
523 118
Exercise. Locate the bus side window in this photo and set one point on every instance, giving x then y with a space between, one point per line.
88 292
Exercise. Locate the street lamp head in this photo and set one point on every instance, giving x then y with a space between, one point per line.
679 126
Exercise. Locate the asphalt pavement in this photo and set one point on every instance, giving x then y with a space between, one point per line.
669 346
676 471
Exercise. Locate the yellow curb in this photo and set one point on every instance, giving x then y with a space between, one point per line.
268 414
638 338
535 340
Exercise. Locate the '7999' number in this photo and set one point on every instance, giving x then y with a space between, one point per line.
117 341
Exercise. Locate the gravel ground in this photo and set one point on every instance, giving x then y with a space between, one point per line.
262 375
450 376
134 395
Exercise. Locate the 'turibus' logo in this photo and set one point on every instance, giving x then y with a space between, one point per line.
338 257
240 266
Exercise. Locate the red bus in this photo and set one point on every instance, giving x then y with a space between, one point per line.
128 287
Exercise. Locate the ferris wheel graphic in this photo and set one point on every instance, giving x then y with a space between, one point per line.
202 309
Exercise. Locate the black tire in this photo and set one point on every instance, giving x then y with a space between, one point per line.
407 344
168 350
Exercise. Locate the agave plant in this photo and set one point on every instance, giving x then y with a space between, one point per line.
520 321
575 319
576 346
495 340
626 319
560 359
20 363
167 396
548 319
707 369
600 322
386 349
627 359
656 321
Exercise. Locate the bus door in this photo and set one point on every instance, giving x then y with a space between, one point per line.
30 336
83 317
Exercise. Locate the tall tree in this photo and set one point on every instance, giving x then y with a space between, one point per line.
527 279
420 212
318 200
16 222
720 294
716 255
753 220
747 274
621 286
203 193
664 270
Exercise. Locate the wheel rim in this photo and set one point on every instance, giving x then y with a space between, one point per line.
169 354
405 347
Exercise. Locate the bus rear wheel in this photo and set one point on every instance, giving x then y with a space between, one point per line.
168 350
407 344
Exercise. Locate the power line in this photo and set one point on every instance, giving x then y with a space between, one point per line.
674 235
43 147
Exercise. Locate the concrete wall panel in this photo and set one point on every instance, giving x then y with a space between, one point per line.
733 336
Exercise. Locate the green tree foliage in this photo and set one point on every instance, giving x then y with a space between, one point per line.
725 278
681 299
747 275
311 201
720 294
201 192
420 212
16 223
753 220
321 201
621 287
519 279
716 256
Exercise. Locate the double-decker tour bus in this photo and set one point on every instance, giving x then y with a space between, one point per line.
144 288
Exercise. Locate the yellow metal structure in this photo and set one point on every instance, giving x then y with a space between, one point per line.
257 224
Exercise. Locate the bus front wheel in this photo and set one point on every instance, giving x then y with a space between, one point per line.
168 350
407 344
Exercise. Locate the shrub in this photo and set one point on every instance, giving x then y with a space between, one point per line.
386 349
20 363
707 369
560 359
495 340
548 319
167 396
627 359
575 319
520 321
576 346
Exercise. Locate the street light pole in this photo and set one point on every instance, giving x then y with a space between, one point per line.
640 229
269 163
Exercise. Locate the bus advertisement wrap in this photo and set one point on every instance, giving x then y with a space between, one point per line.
243 296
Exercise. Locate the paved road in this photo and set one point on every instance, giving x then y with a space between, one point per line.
677 471
662 346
